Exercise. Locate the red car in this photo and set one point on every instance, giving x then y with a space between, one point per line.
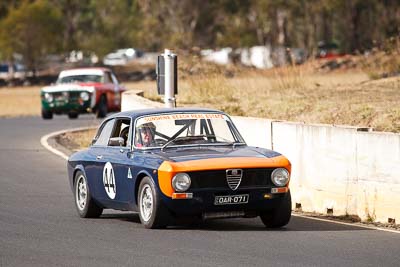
82 90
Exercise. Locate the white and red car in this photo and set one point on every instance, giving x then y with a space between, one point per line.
82 90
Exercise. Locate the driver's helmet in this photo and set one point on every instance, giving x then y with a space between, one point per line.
145 134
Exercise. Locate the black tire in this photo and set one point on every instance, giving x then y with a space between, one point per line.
280 216
102 107
73 115
159 216
84 202
47 115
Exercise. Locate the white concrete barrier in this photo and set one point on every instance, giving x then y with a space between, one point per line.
133 99
378 166
335 169
323 165
340 170
259 133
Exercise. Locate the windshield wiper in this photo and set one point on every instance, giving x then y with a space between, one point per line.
168 143
198 137
183 138
228 142
236 143
215 137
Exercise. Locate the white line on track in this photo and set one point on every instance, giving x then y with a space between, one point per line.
348 224
45 143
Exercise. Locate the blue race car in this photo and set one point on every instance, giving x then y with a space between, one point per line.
172 163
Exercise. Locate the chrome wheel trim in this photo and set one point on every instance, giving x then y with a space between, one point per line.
81 193
146 202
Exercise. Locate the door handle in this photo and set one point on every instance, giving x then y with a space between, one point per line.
99 157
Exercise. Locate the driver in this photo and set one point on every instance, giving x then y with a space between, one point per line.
145 134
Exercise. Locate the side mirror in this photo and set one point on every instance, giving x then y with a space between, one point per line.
93 141
116 141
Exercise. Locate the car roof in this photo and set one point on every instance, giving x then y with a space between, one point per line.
80 71
155 111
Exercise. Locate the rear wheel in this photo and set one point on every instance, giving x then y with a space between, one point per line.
152 213
279 216
73 115
46 114
84 202
102 107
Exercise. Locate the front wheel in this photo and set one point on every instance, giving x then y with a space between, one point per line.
84 202
46 114
73 115
152 213
279 216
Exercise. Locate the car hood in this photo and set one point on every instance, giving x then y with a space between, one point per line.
218 158
90 87
207 152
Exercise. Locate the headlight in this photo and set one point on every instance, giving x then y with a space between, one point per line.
280 177
48 97
84 96
181 182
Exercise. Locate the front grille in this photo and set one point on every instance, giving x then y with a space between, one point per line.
233 181
71 96
74 96
217 178
59 96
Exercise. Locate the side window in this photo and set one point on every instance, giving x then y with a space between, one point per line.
121 129
114 79
104 133
107 77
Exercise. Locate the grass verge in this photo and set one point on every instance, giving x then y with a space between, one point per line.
76 140
20 101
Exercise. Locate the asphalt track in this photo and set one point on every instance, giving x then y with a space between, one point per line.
40 227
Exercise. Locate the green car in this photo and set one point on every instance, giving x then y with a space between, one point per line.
83 90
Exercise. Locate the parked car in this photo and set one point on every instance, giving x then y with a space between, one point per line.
121 56
173 163
12 73
82 90
328 50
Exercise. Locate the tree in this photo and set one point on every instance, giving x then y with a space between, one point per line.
107 25
32 30
5 6
177 24
73 11
34 27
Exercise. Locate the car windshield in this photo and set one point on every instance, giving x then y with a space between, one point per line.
80 79
185 129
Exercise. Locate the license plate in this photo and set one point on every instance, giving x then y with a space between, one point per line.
59 103
234 199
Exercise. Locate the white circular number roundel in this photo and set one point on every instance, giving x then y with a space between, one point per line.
109 180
